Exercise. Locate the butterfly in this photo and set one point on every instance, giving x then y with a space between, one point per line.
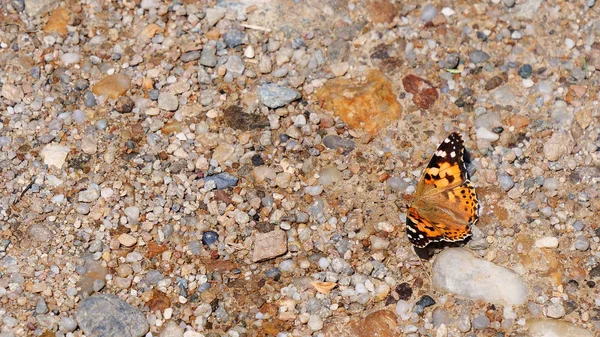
445 205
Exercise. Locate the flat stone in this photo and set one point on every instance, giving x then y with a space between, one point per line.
543 327
214 15
12 92
558 145
275 96
127 240
459 271
58 21
168 101
55 155
37 7
222 180
112 86
107 315
269 245
208 56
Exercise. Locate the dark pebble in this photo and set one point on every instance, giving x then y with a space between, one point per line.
257 160
233 37
493 83
498 129
274 273
481 36
298 43
222 180
35 72
595 272
209 237
451 61
203 287
404 291
284 137
124 104
513 64
334 142
525 71
426 301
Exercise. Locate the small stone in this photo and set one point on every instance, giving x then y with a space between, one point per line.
525 71
127 240
83 209
208 57
506 181
172 329
214 15
124 104
58 21
89 99
190 56
269 245
558 145
424 93
543 327
403 309
329 175
12 92
41 307
54 155
91 194
509 3
555 310
447 11
481 322
569 44
235 66
478 56
315 323
547 242
485 134
222 180
68 324
275 96
223 152
425 301
112 86
233 37
493 83
582 243
168 101
335 142
551 184
108 315
265 65
209 238
340 69
429 12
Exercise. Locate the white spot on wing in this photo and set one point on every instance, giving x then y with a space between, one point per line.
452 154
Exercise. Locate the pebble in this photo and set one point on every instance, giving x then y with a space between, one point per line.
335 142
544 327
214 15
477 278
329 175
68 324
275 96
547 242
569 44
192 55
557 146
525 71
269 245
555 310
506 181
209 238
582 243
112 86
233 37
127 240
481 322
168 101
485 134
551 184
315 323
429 12
55 155
208 56
107 315
222 180
478 56
235 66
403 309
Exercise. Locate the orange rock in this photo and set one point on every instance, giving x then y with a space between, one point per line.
57 23
424 93
112 86
370 104
151 30
518 121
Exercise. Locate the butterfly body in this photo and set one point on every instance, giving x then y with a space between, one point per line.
445 205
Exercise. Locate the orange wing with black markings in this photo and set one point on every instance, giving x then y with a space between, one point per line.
445 205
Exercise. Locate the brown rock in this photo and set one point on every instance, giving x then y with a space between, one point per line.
236 118
493 83
370 104
424 93
380 323
125 104
151 30
112 86
518 121
57 23
381 11
269 245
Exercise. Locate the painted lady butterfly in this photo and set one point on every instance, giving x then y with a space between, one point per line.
445 205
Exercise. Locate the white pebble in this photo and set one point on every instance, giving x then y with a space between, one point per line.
547 242
447 11
570 44
485 134
528 83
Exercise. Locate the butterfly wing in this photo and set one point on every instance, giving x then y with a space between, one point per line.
445 204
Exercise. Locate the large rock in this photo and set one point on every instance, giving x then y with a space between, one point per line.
542 327
108 315
458 271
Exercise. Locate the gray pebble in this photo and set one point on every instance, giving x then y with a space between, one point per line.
41 307
235 66
481 322
108 315
335 142
506 181
195 247
275 96
233 37
578 225
168 101
280 72
582 243
190 56
478 56
208 57
340 266
509 3
551 184
203 76
153 277
222 180
82 209
429 12
68 324
89 99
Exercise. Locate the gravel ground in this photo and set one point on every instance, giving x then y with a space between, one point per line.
242 168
